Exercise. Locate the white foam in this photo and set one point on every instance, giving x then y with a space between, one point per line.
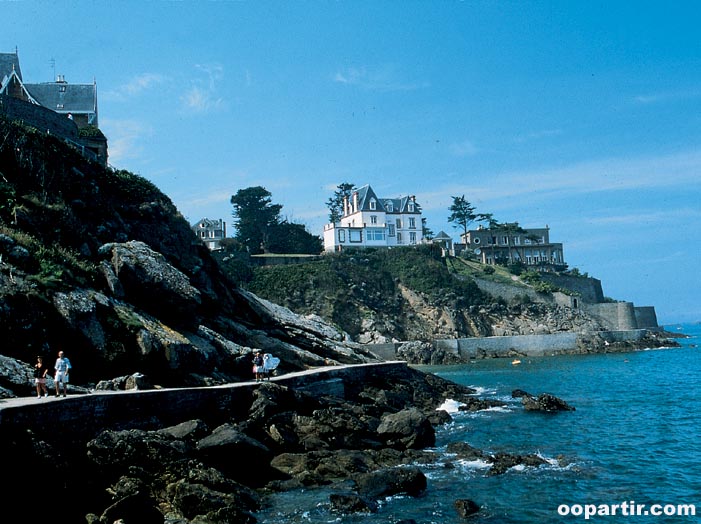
474 464
450 406
496 409
482 391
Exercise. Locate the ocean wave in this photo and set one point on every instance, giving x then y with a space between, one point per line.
473 464
482 391
495 409
450 406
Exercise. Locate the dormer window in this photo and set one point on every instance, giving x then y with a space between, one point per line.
389 206
373 204
411 207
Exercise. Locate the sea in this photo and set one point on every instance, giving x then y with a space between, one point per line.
629 452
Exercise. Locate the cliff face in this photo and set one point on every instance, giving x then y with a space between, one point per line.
99 262
377 297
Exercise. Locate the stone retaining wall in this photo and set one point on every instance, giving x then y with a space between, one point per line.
529 345
89 414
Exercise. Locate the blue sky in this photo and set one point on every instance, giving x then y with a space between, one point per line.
583 116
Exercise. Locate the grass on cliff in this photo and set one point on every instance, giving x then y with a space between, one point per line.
372 275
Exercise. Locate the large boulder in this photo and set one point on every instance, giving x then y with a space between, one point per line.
407 429
545 402
391 481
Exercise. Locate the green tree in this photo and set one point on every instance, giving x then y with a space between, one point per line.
426 231
287 237
335 203
254 217
462 214
510 230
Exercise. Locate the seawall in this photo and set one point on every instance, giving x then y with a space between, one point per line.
508 346
89 414
531 345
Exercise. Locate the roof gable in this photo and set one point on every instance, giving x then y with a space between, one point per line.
9 62
367 195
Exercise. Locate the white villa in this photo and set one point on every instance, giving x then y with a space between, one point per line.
370 221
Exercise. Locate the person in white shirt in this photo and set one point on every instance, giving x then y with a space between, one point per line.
62 367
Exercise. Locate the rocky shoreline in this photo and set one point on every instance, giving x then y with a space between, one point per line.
366 445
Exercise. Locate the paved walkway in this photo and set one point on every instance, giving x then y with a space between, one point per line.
34 401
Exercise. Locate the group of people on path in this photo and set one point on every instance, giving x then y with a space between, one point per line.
62 368
264 365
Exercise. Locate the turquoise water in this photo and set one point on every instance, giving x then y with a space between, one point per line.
633 437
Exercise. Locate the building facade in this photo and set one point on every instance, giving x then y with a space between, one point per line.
370 221
531 247
74 104
211 232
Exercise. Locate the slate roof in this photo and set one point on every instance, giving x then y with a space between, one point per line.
399 205
365 195
65 98
8 61
442 235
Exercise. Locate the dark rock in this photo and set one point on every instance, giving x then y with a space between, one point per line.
545 402
464 451
189 430
466 507
386 482
235 453
137 507
352 503
407 429
501 462
201 503
518 393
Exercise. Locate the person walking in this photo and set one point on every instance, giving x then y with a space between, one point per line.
62 367
258 365
40 372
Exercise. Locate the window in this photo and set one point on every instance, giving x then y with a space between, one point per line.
373 204
517 241
411 207
390 231
373 219
355 235
412 237
399 223
375 234
505 240
389 206
477 240
412 223
399 238
341 235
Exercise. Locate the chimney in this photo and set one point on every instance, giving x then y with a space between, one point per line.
60 79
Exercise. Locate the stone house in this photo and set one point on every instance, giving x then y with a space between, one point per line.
371 221
210 231
63 109
510 244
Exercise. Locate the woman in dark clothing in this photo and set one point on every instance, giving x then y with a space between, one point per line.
40 371
258 365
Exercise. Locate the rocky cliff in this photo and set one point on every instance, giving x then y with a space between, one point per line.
99 262
412 295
